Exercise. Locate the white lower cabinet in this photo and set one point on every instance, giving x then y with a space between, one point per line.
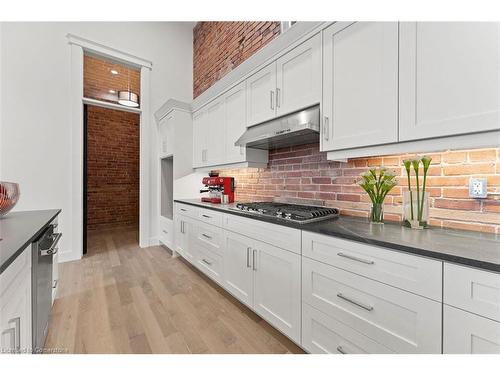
401 321
467 333
267 279
184 230
277 288
15 305
238 272
323 334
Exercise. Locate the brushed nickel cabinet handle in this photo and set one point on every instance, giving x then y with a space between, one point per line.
206 236
341 350
248 257
208 217
272 99
352 257
326 128
254 261
354 302
278 97
183 209
206 262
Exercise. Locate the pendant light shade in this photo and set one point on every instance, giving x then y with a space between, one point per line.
128 98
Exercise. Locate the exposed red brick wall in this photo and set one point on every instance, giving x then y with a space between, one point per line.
302 172
112 168
219 47
98 80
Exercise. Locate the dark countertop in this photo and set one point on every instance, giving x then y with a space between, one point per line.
18 230
475 249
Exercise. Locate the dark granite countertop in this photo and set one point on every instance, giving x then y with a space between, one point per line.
475 249
18 230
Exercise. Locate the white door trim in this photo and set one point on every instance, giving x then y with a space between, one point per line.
78 46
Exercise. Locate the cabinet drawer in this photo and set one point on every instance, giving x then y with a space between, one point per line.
209 263
466 333
166 234
324 334
399 320
210 236
273 234
210 217
472 290
187 210
20 265
412 273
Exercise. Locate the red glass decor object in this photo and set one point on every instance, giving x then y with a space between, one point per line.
9 195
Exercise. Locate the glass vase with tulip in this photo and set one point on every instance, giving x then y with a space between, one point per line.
416 200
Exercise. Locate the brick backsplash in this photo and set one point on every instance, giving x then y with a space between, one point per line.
302 172
112 168
219 47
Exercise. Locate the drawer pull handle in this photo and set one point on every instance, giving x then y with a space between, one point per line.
354 302
183 209
248 257
208 217
206 262
254 260
351 257
341 350
206 236
164 231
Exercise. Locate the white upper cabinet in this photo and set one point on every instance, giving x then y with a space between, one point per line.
235 112
166 129
298 77
449 78
360 85
216 133
261 95
200 133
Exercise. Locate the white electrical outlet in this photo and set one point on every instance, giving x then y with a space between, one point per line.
478 188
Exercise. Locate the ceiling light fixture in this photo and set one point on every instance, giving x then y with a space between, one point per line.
127 97
114 72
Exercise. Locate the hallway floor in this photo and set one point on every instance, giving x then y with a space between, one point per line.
123 299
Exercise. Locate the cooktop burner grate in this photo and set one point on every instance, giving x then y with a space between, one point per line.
291 212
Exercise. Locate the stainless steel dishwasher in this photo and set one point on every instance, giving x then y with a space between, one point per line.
43 250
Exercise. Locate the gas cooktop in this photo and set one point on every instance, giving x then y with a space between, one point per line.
290 212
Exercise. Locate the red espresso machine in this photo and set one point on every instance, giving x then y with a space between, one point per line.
216 187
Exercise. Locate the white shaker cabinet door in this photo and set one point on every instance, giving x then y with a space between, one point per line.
167 135
466 333
277 288
360 85
216 132
449 78
298 77
200 133
238 271
235 112
261 95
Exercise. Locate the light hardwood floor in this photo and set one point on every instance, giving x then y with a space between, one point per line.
123 299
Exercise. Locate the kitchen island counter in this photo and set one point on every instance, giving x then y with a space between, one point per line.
18 230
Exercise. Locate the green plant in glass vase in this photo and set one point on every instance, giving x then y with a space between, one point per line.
415 206
377 182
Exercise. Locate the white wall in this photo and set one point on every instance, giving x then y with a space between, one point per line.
35 143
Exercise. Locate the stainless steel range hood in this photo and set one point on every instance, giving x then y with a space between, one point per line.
297 128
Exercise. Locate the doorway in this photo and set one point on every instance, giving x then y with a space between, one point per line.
111 156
